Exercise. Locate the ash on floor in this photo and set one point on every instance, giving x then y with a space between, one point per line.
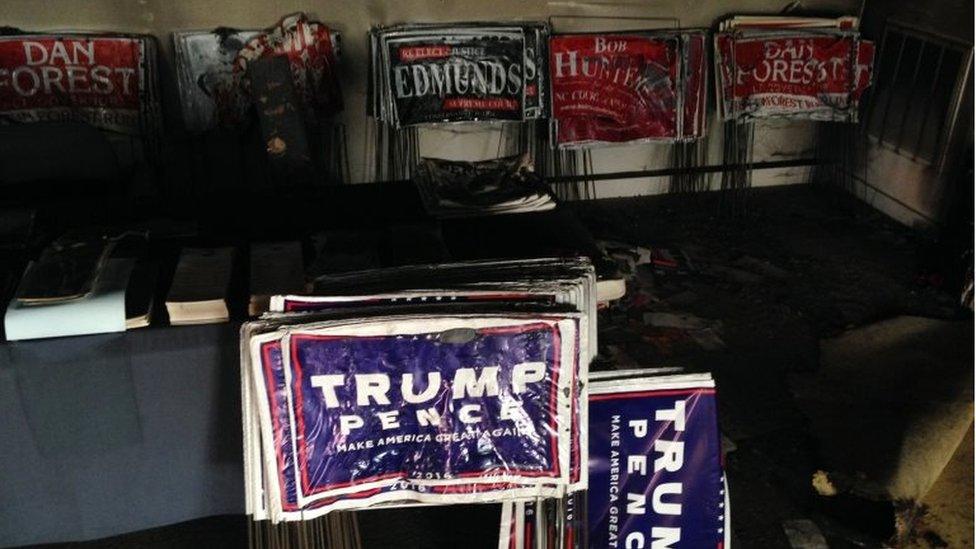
750 299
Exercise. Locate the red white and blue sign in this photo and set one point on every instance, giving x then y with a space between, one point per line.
655 464
447 411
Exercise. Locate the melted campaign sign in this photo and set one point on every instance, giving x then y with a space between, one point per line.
627 87
796 74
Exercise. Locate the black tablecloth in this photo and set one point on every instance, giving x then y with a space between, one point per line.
114 433
109 434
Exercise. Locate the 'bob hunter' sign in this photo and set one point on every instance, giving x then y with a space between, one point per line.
107 81
627 87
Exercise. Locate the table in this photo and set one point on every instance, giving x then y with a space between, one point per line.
115 433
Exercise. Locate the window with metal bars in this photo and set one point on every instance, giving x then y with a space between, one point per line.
918 85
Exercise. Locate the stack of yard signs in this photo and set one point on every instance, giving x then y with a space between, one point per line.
462 72
627 87
435 384
490 187
808 68
655 470
107 80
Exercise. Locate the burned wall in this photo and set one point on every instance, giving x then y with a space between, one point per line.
775 140
919 115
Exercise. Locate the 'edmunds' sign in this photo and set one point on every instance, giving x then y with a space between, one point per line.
455 78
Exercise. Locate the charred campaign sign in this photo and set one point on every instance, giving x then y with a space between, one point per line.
308 46
655 471
694 85
107 81
820 77
212 69
616 88
422 426
458 78
285 492
466 72
210 90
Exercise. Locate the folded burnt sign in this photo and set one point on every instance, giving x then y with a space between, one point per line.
817 75
210 93
427 74
626 87
108 81
212 69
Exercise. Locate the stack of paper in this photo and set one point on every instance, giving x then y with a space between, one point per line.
467 189
198 294
441 384
140 295
276 268
81 286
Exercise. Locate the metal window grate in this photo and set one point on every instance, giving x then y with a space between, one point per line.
918 85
